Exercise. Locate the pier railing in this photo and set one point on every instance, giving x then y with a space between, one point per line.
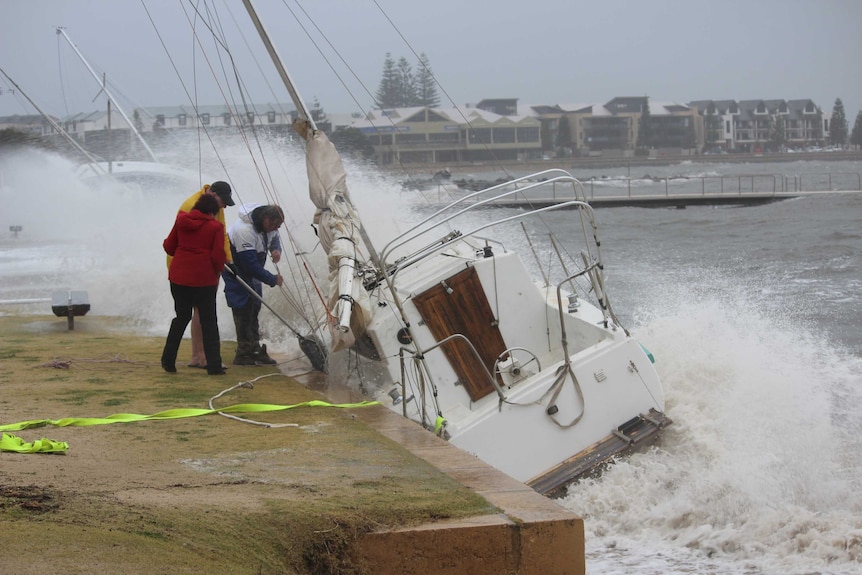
759 184
739 189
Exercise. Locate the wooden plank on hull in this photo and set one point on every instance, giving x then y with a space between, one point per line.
634 434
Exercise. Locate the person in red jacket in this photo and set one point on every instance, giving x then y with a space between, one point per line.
196 243
223 193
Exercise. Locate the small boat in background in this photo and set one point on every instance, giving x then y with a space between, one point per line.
145 177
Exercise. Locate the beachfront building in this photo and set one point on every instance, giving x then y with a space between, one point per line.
718 123
32 124
777 125
756 126
450 135
274 116
498 129
612 129
87 129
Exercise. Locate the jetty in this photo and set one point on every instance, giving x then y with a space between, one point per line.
678 201
669 192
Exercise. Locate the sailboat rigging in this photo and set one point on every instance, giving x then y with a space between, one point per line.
61 31
453 332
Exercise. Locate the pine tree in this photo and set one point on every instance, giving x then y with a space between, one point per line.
137 121
564 134
690 136
856 136
838 125
426 88
318 114
778 133
712 127
352 142
644 140
387 93
406 84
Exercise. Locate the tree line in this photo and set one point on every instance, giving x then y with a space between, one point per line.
838 126
400 87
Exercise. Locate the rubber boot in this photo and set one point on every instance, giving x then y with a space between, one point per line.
262 358
244 354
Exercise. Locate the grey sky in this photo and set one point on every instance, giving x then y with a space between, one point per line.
539 51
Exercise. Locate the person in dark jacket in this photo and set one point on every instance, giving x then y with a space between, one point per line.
196 243
251 237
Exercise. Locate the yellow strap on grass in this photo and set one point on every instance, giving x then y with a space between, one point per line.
9 442
173 414
14 443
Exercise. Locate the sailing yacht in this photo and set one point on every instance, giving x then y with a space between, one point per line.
540 380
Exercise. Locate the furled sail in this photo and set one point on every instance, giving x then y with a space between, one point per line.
339 231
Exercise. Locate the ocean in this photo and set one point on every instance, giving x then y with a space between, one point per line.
753 314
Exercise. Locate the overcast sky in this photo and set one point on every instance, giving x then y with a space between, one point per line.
539 51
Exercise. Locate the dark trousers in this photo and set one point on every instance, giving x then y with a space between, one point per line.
247 328
185 300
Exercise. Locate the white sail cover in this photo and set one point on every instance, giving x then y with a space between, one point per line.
339 233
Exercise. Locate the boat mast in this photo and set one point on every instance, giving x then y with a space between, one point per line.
92 162
110 139
301 109
110 96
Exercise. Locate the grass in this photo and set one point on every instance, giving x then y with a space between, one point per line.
202 494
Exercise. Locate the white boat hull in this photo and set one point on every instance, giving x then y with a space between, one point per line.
555 397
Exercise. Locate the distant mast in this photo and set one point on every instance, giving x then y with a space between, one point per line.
110 96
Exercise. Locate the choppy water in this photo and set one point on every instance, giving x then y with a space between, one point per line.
753 314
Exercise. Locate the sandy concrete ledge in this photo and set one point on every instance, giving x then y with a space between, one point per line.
210 495
532 535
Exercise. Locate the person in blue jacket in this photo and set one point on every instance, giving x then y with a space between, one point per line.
253 235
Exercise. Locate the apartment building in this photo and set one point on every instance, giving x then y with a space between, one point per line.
33 124
450 135
759 125
613 128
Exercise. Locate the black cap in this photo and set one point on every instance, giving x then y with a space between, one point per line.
222 190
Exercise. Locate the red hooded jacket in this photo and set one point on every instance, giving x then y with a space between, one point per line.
196 243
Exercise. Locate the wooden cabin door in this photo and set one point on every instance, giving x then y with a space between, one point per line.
466 311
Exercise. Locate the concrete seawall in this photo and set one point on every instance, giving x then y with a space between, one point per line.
530 535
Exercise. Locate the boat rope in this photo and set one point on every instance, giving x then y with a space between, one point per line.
554 392
247 385
330 318
231 86
552 410
634 369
